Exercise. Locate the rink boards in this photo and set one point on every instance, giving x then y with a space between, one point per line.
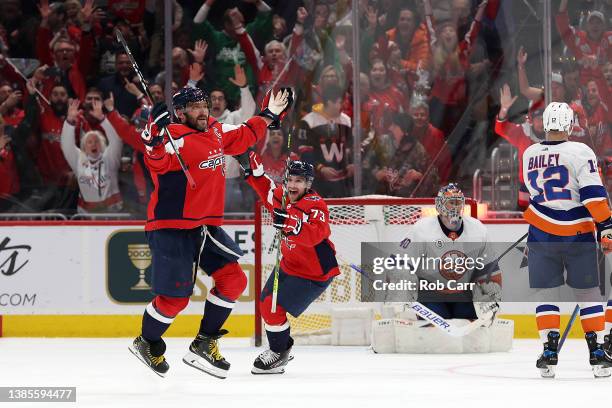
90 280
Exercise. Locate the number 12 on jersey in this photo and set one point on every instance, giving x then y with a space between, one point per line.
552 182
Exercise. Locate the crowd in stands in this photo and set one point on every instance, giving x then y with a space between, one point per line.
439 84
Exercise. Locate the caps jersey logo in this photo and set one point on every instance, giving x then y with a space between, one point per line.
214 161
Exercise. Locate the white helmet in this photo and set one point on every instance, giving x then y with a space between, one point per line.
558 116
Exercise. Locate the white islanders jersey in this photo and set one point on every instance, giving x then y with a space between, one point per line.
428 241
565 188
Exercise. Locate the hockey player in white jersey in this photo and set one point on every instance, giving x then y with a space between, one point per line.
568 211
452 235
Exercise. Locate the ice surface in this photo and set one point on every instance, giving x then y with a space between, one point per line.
106 374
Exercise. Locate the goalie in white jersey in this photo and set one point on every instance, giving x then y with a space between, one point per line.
568 211
472 282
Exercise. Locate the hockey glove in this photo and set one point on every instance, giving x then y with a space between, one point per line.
251 163
160 115
289 224
604 235
277 106
149 139
486 296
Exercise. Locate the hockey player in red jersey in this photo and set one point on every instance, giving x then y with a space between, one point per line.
308 262
183 223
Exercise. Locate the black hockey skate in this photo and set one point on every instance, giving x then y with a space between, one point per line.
548 359
151 354
599 358
205 356
607 346
270 362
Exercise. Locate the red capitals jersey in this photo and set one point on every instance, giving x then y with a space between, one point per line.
309 254
50 160
173 203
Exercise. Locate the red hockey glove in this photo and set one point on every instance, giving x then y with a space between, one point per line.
277 106
149 139
604 235
289 224
251 163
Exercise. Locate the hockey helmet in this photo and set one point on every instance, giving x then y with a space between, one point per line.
450 202
558 116
301 168
188 95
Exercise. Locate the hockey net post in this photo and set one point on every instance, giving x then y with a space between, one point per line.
352 221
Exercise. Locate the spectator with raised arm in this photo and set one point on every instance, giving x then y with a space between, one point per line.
592 47
96 163
277 66
558 94
10 101
127 95
225 43
451 64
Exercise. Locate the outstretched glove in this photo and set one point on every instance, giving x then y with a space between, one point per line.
604 235
160 115
289 224
277 106
251 163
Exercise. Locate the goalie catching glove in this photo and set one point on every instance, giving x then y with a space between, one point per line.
275 107
486 297
604 235
289 224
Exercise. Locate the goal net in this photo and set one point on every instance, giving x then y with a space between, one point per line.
352 221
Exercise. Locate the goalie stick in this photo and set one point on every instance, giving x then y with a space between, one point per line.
145 86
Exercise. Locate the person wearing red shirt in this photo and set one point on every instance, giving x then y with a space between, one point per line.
384 98
451 62
591 47
273 157
431 138
599 138
520 136
9 178
184 222
308 263
9 101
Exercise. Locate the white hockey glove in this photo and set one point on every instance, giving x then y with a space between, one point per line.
251 163
289 224
277 106
486 297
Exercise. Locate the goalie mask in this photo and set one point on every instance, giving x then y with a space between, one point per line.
450 202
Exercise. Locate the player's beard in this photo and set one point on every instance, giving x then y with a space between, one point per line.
194 123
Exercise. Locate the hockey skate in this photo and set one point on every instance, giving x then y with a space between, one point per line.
151 354
599 358
607 346
270 362
548 359
205 356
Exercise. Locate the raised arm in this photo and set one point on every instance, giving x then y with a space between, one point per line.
69 148
529 92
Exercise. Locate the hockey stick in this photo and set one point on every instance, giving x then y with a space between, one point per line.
428 314
278 235
568 327
145 85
